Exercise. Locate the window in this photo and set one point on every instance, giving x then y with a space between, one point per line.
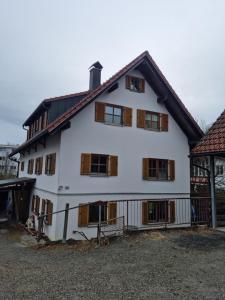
30 166
219 170
38 165
47 209
158 169
94 212
50 163
157 211
113 114
22 166
89 213
154 211
152 120
135 84
99 164
35 206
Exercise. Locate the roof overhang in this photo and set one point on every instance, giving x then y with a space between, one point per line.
8 184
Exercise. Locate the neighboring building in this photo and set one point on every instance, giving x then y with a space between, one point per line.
126 139
7 166
211 148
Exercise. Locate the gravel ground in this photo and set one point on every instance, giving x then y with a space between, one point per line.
178 264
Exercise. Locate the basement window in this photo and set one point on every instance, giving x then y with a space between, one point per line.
94 212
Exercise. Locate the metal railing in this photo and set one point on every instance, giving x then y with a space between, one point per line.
138 214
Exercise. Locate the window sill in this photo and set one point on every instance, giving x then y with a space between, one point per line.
139 92
154 130
98 175
160 180
113 124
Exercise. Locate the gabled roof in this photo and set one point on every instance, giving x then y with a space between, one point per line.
214 140
146 65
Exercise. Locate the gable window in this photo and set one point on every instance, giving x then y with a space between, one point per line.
152 120
99 164
113 114
162 211
50 162
158 169
30 166
135 84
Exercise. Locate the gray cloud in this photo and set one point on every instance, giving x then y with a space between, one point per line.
47 47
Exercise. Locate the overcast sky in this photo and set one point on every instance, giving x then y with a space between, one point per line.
47 46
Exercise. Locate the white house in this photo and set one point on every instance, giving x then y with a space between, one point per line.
7 167
126 140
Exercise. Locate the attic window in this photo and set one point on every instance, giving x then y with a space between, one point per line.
135 84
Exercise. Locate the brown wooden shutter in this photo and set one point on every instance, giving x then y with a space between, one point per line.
43 206
36 165
40 123
145 168
52 163
37 205
128 82
163 122
33 203
85 164
99 112
127 116
141 118
144 212
45 119
172 212
112 212
142 85
83 215
31 166
113 165
46 164
171 170
40 165
49 211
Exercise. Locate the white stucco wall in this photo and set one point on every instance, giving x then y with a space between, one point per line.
43 182
131 144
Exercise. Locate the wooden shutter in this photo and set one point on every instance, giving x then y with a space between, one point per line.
112 212
128 82
85 168
46 164
49 211
172 212
113 165
36 165
99 112
40 123
40 165
171 170
144 212
145 168
142 85
163 122
52 163
37 205
45 119
31 166
83 215
140 118
43 206
33 203
127 116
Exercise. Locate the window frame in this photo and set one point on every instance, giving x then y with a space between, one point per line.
104 205
157 169
49 158
99 164
113 114
158 206
151 114
141 84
